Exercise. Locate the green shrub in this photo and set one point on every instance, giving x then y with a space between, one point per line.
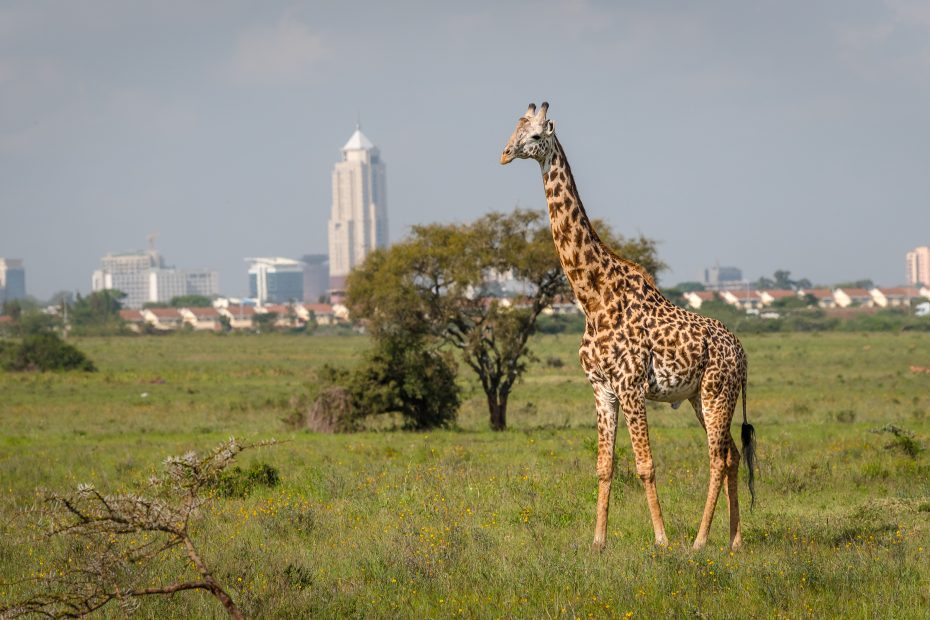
901 439
561 324
239 483
43 351
400 375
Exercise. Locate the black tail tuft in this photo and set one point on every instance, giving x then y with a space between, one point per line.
749 453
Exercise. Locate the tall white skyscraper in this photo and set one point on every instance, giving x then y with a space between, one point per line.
358 222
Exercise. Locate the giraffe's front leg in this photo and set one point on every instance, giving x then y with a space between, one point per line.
633 403
606 436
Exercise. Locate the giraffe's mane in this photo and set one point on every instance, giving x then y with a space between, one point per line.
597 239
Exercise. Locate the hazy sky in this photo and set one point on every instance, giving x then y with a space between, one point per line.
764 135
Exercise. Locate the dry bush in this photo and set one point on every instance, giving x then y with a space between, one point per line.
113 539
331 411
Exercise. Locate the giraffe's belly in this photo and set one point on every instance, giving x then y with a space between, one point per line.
669 383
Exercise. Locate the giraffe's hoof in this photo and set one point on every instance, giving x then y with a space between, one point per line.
598 545
662 542
698 544
736 544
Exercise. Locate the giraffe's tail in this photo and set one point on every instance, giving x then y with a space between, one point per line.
748 436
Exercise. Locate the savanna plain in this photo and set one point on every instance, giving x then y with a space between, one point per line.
479 524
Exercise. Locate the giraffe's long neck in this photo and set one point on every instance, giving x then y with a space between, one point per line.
581 251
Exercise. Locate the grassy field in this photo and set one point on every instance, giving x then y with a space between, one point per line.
470 523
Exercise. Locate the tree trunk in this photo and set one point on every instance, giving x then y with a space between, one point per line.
497 407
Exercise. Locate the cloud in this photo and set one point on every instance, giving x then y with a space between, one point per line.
281 54
892 44
909 12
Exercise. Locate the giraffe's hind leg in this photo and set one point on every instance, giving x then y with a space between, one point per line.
732 491
716 414
731 478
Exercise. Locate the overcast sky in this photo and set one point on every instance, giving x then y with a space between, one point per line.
764 135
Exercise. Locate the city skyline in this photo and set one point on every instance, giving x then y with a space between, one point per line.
785 136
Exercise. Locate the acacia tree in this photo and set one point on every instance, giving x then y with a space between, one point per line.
442 283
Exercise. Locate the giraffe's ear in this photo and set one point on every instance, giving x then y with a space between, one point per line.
550 128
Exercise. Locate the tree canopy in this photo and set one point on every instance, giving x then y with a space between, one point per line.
98 312
444 282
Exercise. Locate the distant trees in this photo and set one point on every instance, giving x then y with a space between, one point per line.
182 301
264 321
788 303
865 283
441 285
191 301
27 318
61 297
781 281
98 313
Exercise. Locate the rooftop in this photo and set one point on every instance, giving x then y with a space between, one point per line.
274 261
358 142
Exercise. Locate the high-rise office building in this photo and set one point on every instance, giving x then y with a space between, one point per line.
144 278
276 280
12 279
723 278
202 282
128 272
918 266
358 222
316 276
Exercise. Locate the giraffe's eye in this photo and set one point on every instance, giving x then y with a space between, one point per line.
535 136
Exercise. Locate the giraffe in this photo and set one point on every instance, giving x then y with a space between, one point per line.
637 345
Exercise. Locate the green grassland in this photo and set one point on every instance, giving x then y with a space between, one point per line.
470 523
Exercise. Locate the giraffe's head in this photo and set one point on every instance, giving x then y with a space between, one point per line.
533 138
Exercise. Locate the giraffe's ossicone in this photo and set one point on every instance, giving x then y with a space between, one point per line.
638 345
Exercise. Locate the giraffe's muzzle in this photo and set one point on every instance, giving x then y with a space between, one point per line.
507 156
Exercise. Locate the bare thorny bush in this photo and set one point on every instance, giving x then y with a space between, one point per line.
112 539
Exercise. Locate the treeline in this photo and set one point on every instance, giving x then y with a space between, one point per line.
790 319
96 314
815 320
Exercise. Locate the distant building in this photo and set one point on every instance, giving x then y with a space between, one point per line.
747 300
144 278
853 297
770 297
718 278
895 296
276 280
918 266
696 299
166 284
127 272
358 222
316 276
12 279
823 296
202 282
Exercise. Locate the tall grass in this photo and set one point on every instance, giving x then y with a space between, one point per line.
472 523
